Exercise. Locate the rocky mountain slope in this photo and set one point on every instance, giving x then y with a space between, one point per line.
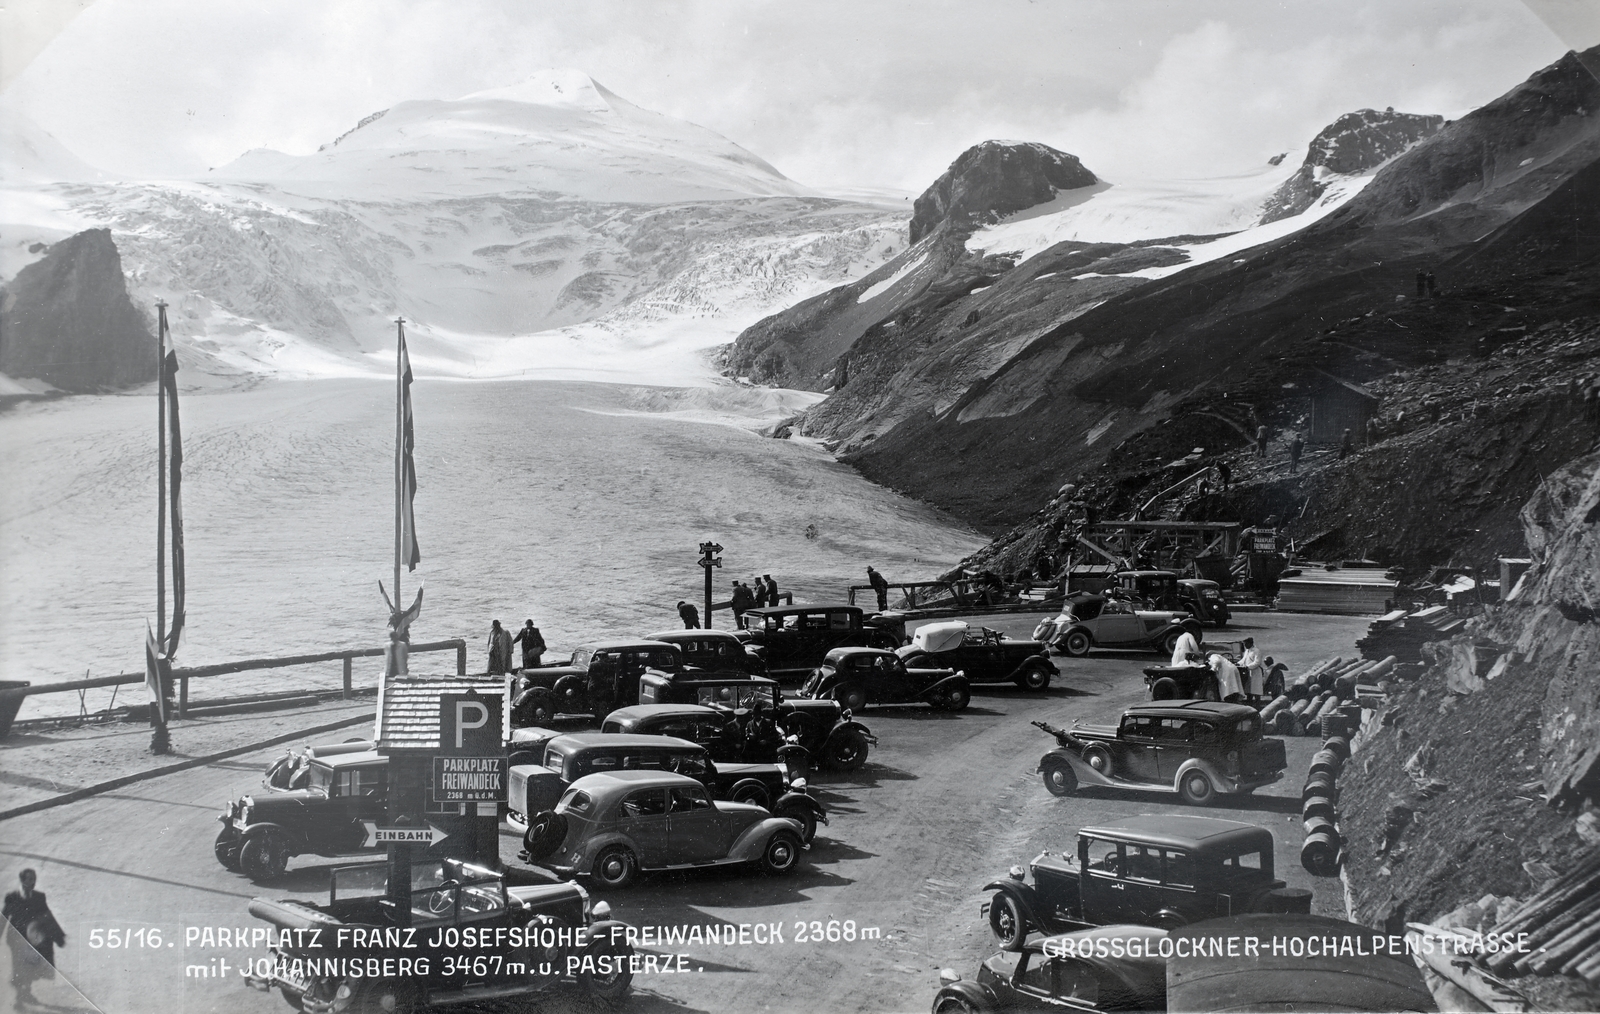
994 179
1352 144
67 320
550 228
1471 202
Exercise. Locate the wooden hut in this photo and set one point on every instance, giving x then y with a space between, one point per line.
1338 405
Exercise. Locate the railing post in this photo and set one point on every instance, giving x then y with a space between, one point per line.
183 697
347 668
461 659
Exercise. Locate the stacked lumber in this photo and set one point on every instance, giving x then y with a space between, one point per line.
1351 591
1563 927
1402 634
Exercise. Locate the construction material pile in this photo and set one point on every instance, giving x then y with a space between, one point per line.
1327 699
1402 634
1323 850
1563 927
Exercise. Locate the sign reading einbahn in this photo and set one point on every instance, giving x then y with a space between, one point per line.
470 766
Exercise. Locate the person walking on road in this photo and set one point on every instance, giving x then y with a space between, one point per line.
33 935
532 645
689 615
1296 445
880 586
499 649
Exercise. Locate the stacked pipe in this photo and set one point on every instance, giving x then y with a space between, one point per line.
1563 927
1322 853
1325 700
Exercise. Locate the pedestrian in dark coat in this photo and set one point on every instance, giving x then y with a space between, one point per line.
689 615
1261 441
742 600
772 589
761 593
1224 475
1296 445
880 586
499 649
1346 445
532 645
33 935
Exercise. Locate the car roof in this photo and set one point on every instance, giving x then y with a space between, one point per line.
839 653
578 741
675 636
1181 830
641 644
1217 710
1147 573
638 712
821 608
351 760
602 782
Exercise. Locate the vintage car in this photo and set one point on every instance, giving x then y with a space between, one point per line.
793 640
494 942
1203 600
1161 870
534 789
610 827
261 833
1105 968
856 677
756 731
713 651
1096 621
982 655
598 679
293 769
1198 749
1196 681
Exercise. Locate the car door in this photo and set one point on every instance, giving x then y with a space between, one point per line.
1101 886
643 817
1139 748
894 683
699 829
1118 625
1175 747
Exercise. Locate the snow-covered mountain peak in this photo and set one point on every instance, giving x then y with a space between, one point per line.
562 86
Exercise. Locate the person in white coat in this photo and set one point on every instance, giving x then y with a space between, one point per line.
1228 686
1255 671
1185 647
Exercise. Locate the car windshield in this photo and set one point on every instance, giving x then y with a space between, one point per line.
736 696
368 881
321 777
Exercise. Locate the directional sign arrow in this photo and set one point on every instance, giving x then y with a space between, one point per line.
376 835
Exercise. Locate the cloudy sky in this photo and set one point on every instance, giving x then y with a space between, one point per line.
835 94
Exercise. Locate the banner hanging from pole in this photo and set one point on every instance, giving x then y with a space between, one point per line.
175 465
411 553
152 674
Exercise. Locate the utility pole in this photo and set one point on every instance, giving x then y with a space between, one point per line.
708 560
160 740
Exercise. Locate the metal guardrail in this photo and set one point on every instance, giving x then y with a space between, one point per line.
13 697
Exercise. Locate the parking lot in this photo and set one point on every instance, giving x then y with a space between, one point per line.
945 803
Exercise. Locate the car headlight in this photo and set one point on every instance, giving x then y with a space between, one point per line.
245 806
601 911
798 785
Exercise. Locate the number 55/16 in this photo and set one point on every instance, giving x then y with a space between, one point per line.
117 938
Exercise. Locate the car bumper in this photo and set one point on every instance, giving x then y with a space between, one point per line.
1248 782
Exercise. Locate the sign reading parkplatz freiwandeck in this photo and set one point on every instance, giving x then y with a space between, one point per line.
469 779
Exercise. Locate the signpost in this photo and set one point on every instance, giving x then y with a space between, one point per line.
470 767
376 835
708 560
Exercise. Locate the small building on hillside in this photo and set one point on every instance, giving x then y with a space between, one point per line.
1338 405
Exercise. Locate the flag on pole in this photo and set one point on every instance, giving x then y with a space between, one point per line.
152 673
170 380
410 551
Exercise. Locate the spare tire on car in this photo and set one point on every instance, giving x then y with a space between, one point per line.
546 832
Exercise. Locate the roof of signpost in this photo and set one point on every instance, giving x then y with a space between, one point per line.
408 708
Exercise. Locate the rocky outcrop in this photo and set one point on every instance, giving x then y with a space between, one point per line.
67 320
1353 144
991 180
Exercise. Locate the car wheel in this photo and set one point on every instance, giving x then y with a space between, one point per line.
750 791
782 853
227 849
956 697
953 1004
384 997
1035 677
613 987
264 855
1195 788
804 817
1164 689
847 750
570 696
536 708
1169 644
546 832
1077 643
1059 778
1007 922
615 867
1099 758
852 698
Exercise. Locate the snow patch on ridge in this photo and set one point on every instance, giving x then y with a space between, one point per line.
879 288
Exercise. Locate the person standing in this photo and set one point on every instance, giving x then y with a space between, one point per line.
499 649
1346 445
532 645
1224 475
1297 445
880 586
689 615
772 589
33 935
741 600
1251 666
1261 441
761 593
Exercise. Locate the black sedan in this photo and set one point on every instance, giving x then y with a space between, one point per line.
982 655
856 677
1105 968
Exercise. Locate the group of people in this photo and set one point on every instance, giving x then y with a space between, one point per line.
501 644
743 599
1231 685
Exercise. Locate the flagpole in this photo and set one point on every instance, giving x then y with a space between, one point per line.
161 472
399 452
